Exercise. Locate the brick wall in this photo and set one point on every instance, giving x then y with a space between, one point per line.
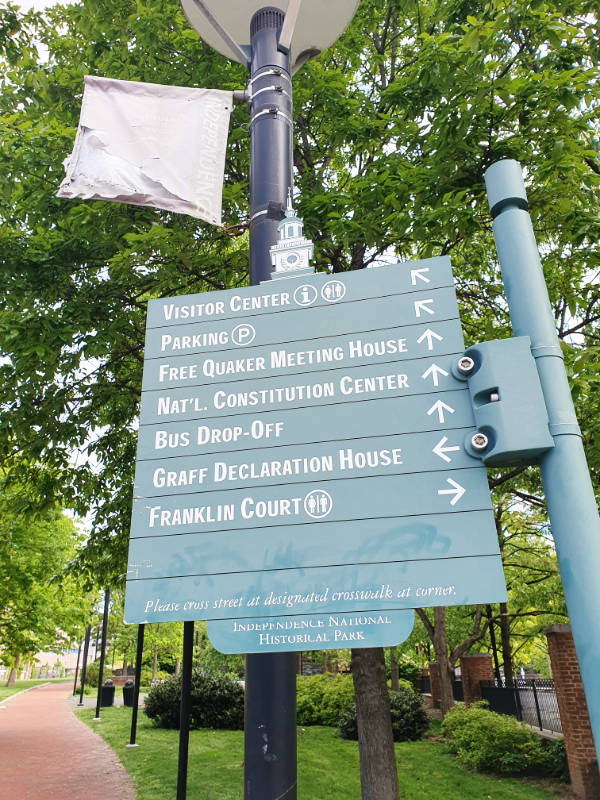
579 743
475 668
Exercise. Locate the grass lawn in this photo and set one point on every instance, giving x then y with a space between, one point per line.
327 765
20 685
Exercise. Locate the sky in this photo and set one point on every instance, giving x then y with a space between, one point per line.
38 5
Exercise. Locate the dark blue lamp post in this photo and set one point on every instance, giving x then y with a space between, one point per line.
272 42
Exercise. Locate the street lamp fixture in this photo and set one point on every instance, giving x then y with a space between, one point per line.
310 26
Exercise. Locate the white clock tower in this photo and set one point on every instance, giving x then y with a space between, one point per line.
291 255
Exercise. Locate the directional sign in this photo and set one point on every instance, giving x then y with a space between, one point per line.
302 453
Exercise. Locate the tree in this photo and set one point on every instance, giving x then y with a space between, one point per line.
40 606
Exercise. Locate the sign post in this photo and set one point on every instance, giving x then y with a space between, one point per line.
568 489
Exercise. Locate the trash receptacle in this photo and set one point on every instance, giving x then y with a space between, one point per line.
128 692
107 695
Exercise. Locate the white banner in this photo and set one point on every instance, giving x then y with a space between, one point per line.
150 145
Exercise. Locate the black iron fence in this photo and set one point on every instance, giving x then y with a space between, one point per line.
530 700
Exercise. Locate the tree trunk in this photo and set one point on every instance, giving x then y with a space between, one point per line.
378 774
177 666
440 647
125 665
394 670
12 677
507 663
325 667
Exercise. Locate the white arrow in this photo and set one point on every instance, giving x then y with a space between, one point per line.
440 407
430 336
441 451
418 273
457 490
434 371
421 305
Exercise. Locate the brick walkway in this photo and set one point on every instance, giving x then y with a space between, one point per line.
46 753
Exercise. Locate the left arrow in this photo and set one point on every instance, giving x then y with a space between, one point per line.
441 451
457 490
435 372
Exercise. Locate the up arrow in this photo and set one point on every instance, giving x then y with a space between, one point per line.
418 273
422 305
441 451
434 371
430 336
440 407
457 490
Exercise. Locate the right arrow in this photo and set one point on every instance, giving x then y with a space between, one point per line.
440 407
441 451
457 490
430 336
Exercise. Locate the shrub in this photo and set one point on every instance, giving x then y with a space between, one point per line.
409 720
490 742
321 699
216 701
92 671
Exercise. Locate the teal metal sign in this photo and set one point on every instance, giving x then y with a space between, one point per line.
302 453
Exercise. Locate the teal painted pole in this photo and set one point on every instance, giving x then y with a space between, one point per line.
565 475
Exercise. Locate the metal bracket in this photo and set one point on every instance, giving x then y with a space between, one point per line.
289 24
508 403
240 53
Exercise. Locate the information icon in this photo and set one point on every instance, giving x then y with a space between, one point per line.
305 295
